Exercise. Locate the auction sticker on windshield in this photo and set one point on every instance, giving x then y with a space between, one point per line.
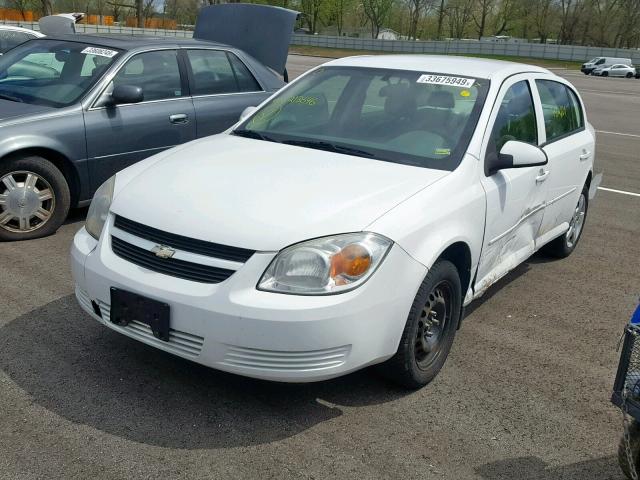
101 52
446 80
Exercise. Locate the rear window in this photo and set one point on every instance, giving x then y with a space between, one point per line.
561 109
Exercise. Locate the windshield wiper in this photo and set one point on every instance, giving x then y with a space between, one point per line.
11 98
330 147
253 134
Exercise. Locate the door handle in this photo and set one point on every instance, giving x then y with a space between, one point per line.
542 175
585 155
179 118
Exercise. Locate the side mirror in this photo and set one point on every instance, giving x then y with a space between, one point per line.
126 94
515 154
246 112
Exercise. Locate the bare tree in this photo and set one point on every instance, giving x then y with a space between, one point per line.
377 12
417 8
460 13
311 12
22 6
483 10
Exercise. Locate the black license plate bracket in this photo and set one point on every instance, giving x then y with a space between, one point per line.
128 306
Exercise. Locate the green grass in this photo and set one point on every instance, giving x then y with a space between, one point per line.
340 52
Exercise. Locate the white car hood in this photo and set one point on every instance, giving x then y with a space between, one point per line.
262 195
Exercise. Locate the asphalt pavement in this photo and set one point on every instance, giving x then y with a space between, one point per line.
524 394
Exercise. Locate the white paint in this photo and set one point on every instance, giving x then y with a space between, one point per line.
623 192
618 133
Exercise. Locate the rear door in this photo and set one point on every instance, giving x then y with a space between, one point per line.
221 87
118 136
515 196
569 145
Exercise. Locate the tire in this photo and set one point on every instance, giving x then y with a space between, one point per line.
440 292
629 75
605 74
41 200
623 461
565 244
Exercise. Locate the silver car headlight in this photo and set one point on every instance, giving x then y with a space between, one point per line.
99 209
326 265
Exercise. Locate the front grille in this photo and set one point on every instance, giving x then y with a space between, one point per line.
626 390
285 360
180 242
179 342
169 266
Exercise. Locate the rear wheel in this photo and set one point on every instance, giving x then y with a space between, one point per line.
629 75
564 245
34 198
430 328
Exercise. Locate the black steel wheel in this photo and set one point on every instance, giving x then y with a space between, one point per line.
430 328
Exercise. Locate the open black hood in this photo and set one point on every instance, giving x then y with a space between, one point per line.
264 32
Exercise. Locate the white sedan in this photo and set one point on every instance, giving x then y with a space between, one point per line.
345 222
13 36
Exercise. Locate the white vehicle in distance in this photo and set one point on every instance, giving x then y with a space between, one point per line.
617 70
11 36
343 223
602 62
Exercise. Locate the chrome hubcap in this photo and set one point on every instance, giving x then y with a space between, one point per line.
26 201
432 324
576 223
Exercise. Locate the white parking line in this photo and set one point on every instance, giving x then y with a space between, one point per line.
618 133
619 191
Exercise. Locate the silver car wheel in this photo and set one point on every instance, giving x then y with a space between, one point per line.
577 222
27 201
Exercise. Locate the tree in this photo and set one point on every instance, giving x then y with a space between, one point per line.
416 10
311 13
441 14
459 13
47 7
22 6
480 16
377 12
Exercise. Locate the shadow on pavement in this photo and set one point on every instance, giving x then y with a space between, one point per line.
88 374
533 468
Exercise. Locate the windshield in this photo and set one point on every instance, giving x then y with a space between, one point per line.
54 73
414 118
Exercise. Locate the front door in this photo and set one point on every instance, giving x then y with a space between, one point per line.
515 196
118 136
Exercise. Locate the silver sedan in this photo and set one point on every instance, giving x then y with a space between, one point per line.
618 70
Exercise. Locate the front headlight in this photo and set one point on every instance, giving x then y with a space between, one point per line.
99 209
326 265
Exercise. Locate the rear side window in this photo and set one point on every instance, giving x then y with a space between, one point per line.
516 119
216 72
157 73
561 109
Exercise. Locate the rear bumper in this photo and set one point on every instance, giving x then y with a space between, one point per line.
234 327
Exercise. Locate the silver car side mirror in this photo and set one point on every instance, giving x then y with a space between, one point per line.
246 112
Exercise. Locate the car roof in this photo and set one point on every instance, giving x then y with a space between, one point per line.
20 29
131 42
452 65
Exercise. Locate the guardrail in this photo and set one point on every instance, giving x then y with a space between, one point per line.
574 53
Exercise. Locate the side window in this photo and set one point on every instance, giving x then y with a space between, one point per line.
94 65
516 119
600 62
561 108
246 81
156 72
216 71
212 72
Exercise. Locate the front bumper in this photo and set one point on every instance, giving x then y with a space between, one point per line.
234 327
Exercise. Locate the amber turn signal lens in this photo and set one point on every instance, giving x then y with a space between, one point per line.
352 261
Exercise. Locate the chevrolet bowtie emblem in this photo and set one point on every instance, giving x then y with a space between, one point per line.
163 251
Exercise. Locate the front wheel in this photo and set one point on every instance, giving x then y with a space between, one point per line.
564 245
605 74
34 198
430 328
629 75
626 464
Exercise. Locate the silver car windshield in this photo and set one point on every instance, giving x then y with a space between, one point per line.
52 72
417 118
